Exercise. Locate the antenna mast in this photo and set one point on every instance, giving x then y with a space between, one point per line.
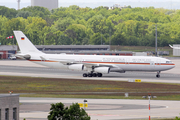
18 4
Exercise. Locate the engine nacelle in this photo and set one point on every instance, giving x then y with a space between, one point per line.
78 67
117 70
102 69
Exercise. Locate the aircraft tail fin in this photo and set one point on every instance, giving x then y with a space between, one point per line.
25 45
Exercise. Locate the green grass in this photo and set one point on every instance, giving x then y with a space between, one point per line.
171 97
74 88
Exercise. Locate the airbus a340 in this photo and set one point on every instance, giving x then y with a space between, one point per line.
95 65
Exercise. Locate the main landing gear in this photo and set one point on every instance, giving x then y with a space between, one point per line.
92 75
158 74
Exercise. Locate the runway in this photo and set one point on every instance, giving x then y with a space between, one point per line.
26 68
98 109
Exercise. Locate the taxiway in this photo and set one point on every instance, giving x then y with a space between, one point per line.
98 109
26 68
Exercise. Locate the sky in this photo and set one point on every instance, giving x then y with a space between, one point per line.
168 4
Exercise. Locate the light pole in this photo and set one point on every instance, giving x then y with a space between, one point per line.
13 46
13 42
149 97
101 38
156 53
18 4
110 38
85 101
156 40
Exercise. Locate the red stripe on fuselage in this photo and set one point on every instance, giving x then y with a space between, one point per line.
131 63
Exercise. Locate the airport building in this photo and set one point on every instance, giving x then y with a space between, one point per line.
7 50
81 50
73 47
9 107
176 52
50 4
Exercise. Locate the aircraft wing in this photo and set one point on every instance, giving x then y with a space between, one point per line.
88 65
63 61
96 65
113 68
67 62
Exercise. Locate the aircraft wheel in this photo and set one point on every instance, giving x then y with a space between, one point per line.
85 75
99 74
94 75
158 76
89 75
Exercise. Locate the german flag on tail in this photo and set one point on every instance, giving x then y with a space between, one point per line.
22 38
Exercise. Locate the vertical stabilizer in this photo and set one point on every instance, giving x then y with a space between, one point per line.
25 45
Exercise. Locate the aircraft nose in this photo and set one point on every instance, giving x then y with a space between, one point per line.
173 65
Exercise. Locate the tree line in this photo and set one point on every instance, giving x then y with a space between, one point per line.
74 25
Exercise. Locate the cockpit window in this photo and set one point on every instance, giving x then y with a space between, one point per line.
168 62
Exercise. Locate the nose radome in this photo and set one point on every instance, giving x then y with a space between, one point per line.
173 65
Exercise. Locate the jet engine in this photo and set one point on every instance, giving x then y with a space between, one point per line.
78 67
102 69
117 70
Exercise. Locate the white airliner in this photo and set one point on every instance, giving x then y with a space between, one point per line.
95 65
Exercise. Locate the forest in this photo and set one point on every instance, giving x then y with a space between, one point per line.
86 26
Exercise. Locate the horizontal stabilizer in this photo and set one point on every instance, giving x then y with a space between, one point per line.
23 56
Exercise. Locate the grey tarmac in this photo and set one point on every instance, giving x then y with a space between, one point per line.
102 109
26 68
98 109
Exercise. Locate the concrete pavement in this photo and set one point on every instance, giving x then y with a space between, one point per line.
107 109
